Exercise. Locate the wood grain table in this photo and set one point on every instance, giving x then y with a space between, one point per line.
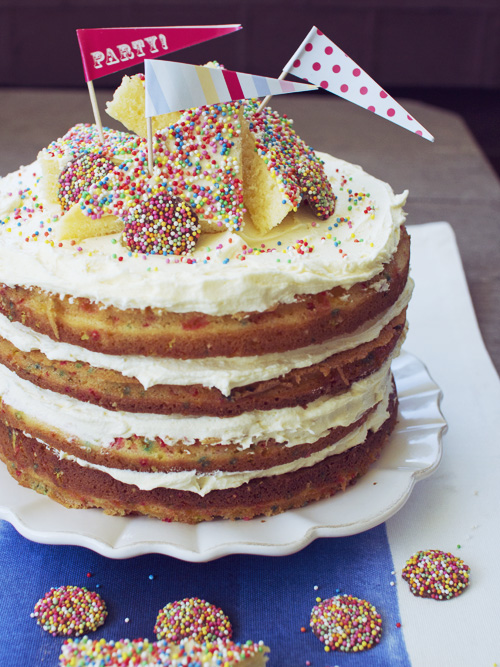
448 180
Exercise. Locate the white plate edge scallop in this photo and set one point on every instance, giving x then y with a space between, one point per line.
412 453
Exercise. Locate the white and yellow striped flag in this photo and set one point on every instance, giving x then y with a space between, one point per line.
172 86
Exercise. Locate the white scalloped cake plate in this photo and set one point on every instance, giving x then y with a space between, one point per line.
412 453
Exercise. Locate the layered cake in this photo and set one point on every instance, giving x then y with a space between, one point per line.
211 340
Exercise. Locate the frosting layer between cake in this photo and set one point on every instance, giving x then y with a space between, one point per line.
220 372
96 427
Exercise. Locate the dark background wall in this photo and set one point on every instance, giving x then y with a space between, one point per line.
445 52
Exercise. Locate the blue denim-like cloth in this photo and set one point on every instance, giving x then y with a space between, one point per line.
268 598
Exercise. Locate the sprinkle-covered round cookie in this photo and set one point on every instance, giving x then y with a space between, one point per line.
316 188
192 618
70 610
80 174
346 623
161 225
436 574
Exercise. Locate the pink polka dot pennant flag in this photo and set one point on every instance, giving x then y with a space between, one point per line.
318 60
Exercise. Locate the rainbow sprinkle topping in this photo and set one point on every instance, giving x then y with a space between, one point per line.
282 150
70 610
161 225
142 652
436 574
80 178
346 623
194 618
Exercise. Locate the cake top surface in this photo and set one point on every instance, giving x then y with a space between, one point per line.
236 269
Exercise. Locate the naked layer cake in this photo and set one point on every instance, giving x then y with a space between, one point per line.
212 340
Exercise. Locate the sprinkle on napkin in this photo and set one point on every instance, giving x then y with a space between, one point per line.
70 610
346 623
192 618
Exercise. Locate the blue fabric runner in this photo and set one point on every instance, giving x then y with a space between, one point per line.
264 597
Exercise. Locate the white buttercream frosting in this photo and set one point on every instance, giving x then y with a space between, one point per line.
201 483
350 247
98 427
221 372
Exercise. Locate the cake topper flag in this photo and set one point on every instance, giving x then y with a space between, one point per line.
320 61
108 50
172 86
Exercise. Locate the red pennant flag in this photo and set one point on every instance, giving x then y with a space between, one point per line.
108 50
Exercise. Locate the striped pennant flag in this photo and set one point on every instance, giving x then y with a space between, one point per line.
321 61
172 86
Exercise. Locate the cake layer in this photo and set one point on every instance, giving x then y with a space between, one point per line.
145 442
111 390
221 373
312 319
32 464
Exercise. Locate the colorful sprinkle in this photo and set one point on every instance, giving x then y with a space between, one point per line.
194 618
316 188
70 610
161 225
346 623
195 159
436 574
76 181
196 162
282 149
142 652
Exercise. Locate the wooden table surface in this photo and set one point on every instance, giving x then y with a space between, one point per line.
448 180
